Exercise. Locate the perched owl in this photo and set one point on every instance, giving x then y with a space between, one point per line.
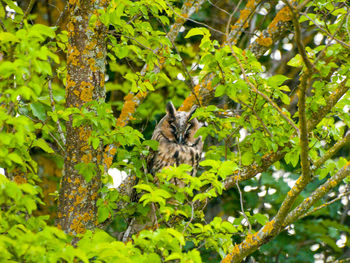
177 144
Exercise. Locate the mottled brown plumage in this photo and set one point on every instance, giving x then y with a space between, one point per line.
177 144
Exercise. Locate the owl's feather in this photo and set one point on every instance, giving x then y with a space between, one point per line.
177 144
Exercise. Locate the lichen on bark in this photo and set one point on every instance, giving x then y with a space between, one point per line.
85 83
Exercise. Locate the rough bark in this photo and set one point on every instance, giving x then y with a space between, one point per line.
85 83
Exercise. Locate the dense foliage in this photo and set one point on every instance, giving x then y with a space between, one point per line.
271 79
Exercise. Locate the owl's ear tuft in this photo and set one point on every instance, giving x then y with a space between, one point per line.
170 109
193 109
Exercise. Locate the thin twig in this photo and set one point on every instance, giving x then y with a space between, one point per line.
320 55
58 143
59 127
131 38
325 204
191 219
192 85
302 5
242 207
326 32
128 230
3 26
230 19
254 89
26 13
61 15
218 7
336 147
239 189
259 119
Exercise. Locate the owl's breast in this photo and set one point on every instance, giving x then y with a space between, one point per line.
170 154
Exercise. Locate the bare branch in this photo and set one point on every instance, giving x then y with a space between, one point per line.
218 7
304 140
27 12
297 37
242 22
242 207
318 194
278 28
274 227
325 204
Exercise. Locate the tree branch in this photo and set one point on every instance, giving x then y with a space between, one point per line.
268 159
318 194
133 100
274 227
242 22
325 205
329 154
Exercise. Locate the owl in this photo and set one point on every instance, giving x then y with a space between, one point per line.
177 143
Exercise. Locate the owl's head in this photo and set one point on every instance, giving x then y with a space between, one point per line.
177 126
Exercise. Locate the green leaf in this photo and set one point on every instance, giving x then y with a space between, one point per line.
228 227
212 163
144 187
2 12
7 36
177 235
87 170
15 158
173 256
195 32
276 80
38 110
40 29
247 158
95 142
220 90
261 219
151 143
102 213
41 143
297 61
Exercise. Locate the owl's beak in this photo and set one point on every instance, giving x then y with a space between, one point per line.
180 139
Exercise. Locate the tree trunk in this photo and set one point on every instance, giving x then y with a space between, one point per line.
85 83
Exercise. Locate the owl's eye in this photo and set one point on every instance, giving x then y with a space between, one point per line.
188 128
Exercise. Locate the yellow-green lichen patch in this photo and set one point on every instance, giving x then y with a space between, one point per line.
84 134
86 158
73 54
77 226
284 15
86 91
264 41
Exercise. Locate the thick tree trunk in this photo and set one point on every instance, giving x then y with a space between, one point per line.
85 83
